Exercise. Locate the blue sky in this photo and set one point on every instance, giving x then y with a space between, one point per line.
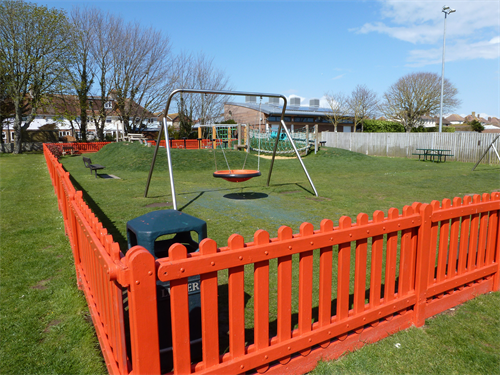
310 48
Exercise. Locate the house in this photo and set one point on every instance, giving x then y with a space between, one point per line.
455 119
61 117
268 114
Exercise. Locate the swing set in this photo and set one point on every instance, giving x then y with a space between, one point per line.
239 175
232 175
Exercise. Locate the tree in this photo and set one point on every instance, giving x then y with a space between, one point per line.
476 126
363 104
198 72
81 71
6 104
106 28
416 95
338 103
34 51
141 73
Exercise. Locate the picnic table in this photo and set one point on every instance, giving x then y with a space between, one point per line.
432 154
69 149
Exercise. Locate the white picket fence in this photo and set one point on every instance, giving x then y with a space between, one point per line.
465 146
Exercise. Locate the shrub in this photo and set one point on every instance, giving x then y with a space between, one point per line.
433 129
56 150
378 126
476 126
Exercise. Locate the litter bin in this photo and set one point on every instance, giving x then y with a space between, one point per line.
157 231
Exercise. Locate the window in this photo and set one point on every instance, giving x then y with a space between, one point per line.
108 105
278 118
108 120
303 119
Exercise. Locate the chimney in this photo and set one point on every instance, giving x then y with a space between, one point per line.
489 118
274 101
250 99
474 114
295 101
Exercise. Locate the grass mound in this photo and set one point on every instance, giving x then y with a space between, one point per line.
136 157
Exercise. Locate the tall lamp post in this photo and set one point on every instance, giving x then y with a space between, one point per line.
446 11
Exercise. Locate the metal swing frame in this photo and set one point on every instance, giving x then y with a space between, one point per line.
492 145
229 93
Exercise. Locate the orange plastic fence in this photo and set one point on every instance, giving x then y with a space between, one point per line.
191 144
420 262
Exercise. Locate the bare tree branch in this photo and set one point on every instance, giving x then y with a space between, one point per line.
338 103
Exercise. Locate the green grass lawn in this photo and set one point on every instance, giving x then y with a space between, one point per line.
45 326
44 320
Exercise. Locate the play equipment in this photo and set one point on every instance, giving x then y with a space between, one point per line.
230 93
239 175
264 142
492 144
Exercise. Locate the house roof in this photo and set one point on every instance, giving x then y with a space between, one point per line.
455 117
493 121
276 109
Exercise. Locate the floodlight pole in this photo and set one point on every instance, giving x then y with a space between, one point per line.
446 10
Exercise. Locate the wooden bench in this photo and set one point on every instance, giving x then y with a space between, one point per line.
92 167
135 137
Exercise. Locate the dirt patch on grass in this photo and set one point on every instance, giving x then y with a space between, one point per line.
290 192
41 285
53 323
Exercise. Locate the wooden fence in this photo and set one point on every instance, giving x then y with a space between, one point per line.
465 146
391 272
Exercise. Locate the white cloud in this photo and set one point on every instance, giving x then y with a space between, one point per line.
458 51
338 77
472 32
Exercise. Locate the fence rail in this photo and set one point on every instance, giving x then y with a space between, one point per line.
391 272
465 146
195 144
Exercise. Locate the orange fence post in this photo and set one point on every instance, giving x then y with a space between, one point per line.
343 273
209 309
261 298
493 247
325 278
421 276
143 314
360 268
377 261
305 284
285 292
179 305
236 301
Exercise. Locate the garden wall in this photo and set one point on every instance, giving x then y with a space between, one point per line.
465 146
389 273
